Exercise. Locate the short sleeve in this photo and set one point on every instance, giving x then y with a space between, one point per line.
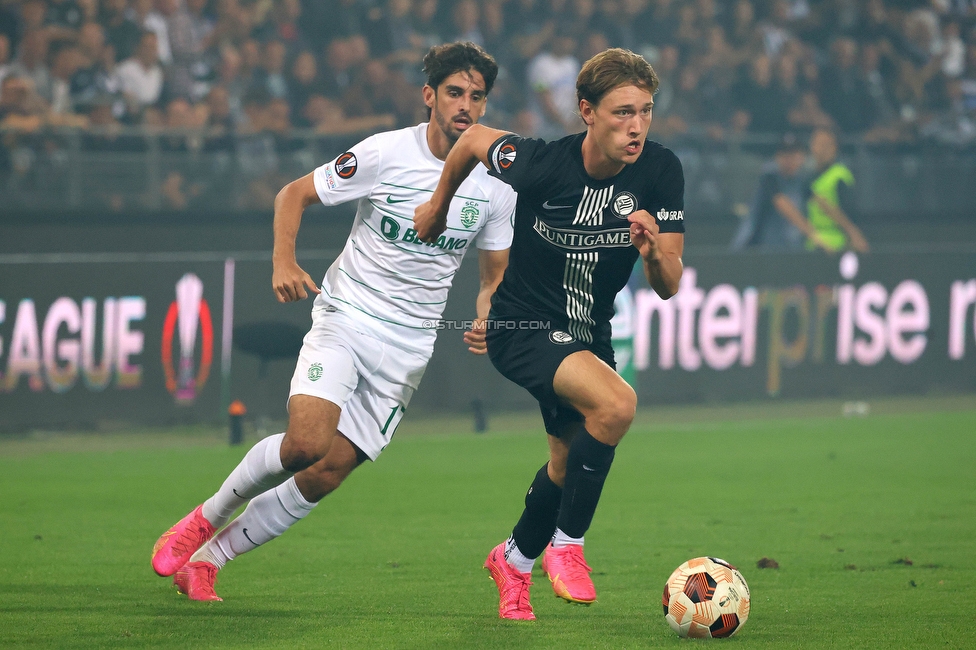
518 161
499 229
668 203
350 176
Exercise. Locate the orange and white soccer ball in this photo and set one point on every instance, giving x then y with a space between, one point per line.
706 597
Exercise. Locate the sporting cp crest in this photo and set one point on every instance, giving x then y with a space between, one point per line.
469 214
315 371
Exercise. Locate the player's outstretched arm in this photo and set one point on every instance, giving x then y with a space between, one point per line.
288 279
430 219
660 251
491 265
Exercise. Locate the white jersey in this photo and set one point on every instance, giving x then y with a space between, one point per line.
390 283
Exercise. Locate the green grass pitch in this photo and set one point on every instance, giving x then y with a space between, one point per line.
872 521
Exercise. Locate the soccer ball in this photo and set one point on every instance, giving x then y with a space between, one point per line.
706 597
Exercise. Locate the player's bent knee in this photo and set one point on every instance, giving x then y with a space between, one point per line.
315 483
616 414
303 447
298 455
326 475
311 429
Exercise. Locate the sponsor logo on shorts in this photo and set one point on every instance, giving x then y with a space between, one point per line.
623 204
315 371
560 337
670 215
346 165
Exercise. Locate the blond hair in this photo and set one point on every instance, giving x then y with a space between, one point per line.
611 69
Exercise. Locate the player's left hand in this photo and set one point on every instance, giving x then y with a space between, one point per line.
428 224
475 338
643 233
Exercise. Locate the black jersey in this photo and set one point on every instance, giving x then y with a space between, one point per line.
572 251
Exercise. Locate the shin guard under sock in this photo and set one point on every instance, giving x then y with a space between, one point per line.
258 471
538 521
587 466
266 517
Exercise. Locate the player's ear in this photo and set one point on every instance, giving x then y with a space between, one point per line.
484 107
586 112
429 96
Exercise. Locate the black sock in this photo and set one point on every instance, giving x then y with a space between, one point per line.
537 524
587 466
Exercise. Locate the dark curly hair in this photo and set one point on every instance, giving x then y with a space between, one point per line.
444 60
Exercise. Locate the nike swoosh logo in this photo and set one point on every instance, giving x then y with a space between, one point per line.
588 469
248 537
237 495
546 206
391 200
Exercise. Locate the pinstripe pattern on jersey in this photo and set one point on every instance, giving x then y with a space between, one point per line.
578 272
578 283
589 212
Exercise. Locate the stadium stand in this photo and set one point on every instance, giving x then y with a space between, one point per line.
181 104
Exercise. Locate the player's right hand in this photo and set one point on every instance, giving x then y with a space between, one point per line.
428 224
475 338
289 282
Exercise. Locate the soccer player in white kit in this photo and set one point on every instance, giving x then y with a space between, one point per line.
372 321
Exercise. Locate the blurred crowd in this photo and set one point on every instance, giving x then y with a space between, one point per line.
889 70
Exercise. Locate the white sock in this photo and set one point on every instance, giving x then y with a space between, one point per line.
260 470
562 539
267 516
515 558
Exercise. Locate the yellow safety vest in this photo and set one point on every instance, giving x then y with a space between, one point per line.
825 186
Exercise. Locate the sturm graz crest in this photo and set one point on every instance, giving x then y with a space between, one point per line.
560 337
623 205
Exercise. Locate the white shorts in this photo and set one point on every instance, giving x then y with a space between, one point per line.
371 381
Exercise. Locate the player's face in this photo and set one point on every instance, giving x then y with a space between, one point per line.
620 122
457 103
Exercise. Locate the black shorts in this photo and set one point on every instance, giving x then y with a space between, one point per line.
530 358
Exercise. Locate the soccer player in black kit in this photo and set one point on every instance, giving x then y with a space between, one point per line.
588 206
